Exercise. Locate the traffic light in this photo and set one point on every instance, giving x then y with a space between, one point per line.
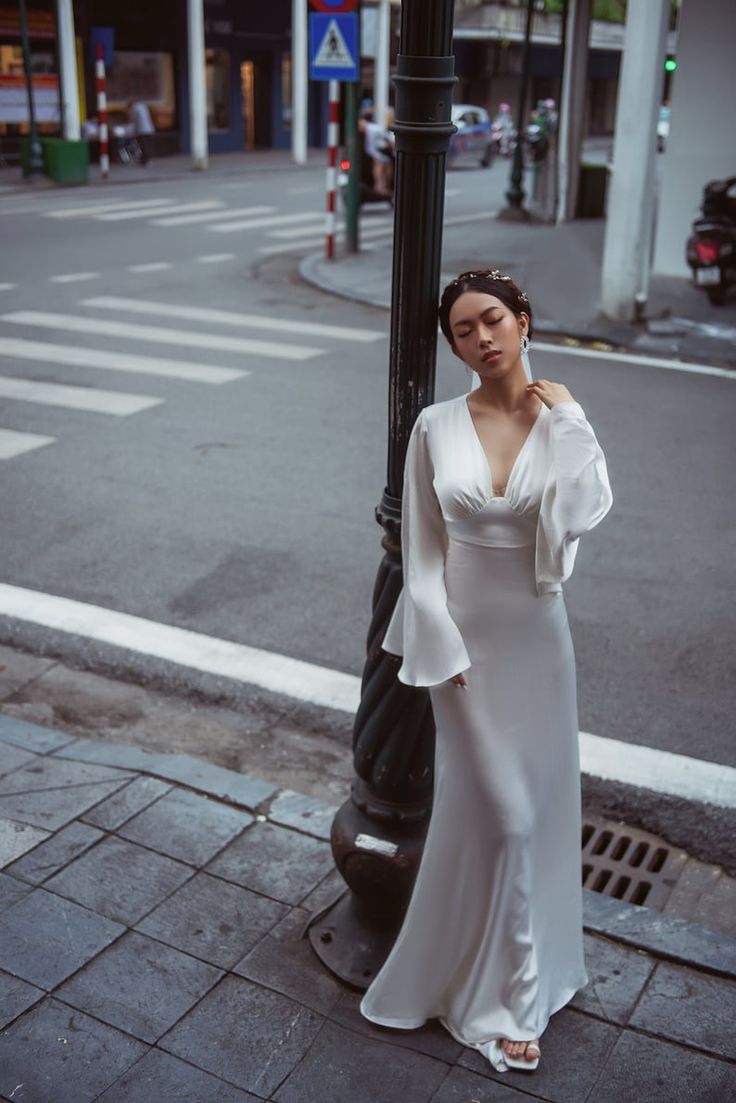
670 65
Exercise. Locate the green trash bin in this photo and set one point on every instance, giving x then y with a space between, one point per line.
64 161
591 201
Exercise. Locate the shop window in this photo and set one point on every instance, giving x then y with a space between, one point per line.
217 63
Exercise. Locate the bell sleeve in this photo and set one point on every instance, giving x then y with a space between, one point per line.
421 628
577 494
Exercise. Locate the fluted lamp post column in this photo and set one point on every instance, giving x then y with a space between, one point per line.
378 833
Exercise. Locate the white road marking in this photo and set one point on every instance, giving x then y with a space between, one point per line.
154 266
14 444
8 286
292 246
158 334
75 277
75 398
634 358
215 258
103 360
210 216
92 209
262 223
660 771
179 208
231 318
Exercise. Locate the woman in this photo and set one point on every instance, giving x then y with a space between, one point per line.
499 486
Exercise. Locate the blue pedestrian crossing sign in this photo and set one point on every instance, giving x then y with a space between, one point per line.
333 46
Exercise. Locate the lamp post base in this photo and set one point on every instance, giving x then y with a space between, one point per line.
514 214
351 942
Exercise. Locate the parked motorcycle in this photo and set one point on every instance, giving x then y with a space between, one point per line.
711 248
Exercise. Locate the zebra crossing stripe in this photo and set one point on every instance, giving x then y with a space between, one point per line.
207 216
230 318
158 334
124 216
88 210
77 357
75 277
153 266
13 443
75 398
215 258
262 223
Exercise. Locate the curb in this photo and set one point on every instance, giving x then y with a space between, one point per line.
674 940
596 340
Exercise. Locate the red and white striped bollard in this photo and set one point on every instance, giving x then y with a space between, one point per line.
102 111
333 138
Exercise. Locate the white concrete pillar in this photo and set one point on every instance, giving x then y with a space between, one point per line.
572 108
632 194
68 87
299 81
702 141
381 63
197 87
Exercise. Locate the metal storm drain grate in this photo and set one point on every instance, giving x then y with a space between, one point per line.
629 864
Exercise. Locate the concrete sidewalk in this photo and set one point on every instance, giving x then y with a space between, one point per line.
560 268
152 916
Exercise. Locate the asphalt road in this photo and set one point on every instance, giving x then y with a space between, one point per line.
243 508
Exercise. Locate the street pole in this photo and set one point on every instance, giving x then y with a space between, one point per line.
197 89
354 153
35 153
68 67
378 834
516 194
299 81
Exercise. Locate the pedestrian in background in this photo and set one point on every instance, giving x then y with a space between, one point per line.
143 128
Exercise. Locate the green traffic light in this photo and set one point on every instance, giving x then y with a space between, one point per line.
670 65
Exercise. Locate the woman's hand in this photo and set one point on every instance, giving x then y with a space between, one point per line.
549 393
459 681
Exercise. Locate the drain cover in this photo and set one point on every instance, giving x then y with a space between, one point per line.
629 864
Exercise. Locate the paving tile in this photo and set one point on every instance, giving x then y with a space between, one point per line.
140 986
12 758
16 996
284 961
648 1070
49 793
213 920
216 781
120 879
56 852
574 1047
431 1039
32 736
686 1006
338 1070
326 892
62 1056
186 826
305 813
17 838
11 891
251 1037
461 1086
44 939
617 976
274 861
160 1078
112 813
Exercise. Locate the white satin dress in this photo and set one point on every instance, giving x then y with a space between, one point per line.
491 943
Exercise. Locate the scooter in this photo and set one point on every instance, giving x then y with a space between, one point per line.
711 248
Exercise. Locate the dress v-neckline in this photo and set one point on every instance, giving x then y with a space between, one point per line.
479 442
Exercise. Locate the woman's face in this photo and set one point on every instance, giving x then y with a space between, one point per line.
486 334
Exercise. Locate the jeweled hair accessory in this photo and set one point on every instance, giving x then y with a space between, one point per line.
490 274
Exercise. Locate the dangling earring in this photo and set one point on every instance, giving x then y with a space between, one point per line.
524 344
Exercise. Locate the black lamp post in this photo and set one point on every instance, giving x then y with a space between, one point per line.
516 193
35 153
378 833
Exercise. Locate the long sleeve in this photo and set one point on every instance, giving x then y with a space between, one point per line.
577 494
421 628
